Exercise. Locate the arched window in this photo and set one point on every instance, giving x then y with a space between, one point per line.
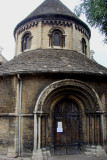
84 46
56 38
26 41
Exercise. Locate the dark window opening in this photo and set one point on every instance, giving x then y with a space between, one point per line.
84 46
27 41
56 39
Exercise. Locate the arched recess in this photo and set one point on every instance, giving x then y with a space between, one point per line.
56 37
68 85
87 100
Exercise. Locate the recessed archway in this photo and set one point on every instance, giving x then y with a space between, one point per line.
67 85
86 98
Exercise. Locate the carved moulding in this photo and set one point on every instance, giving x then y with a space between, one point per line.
27 26
64 86
82 30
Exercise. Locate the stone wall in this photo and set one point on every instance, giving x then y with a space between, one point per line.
4 135
8 123
7 95
32 86
40 38
27 135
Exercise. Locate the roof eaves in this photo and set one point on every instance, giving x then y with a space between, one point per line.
60 16
101 74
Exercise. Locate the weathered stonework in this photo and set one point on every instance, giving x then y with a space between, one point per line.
53 99
33 85
40 38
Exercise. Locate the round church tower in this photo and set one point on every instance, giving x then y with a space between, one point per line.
52 26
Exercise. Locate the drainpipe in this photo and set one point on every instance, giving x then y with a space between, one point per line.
20 106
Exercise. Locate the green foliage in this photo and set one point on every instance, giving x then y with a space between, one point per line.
96 14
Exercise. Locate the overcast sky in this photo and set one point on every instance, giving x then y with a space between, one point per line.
14 11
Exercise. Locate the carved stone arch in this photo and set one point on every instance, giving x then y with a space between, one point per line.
56 28
57 88
26 32
89 109
60 98
82 95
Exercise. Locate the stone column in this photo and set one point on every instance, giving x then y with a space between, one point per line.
39 133
37 152
35 134
102 130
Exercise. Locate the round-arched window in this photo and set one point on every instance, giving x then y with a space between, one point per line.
56 38
26 41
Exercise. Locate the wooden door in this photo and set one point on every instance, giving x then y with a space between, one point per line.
66 127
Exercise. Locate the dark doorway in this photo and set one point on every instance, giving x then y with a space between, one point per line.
67 126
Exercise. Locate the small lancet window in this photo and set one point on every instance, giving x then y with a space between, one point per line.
26 41
84 46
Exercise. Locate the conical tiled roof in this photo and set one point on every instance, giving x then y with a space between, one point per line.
52 9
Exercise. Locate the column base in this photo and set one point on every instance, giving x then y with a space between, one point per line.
97 151
12 155
41 154
12 152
